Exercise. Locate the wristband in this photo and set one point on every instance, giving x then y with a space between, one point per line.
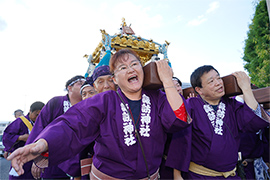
169 87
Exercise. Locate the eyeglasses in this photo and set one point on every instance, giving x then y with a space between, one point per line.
123 68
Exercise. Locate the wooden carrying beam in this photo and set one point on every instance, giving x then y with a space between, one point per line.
262 95
151 77
187 91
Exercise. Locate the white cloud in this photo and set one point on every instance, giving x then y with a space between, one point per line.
198 21
142 20
3 24
202 18
213 7
179 18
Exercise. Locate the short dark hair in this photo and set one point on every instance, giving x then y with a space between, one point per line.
36 106
73 79
195 78
178 80
18 110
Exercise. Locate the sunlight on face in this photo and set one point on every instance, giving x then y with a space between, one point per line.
212 86
128 75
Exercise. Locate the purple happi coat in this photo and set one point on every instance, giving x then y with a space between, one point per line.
10 136
54 108
104 119
164 171
251 147
254 145
212 144
266 144
266 141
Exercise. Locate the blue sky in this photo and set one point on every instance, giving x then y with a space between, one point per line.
42 43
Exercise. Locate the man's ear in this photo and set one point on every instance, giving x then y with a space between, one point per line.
69 88
113 78
198 90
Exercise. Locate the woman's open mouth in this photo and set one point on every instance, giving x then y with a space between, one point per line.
133 79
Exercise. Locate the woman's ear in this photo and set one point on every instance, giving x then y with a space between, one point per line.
114 80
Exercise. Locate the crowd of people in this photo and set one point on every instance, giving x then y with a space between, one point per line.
128 132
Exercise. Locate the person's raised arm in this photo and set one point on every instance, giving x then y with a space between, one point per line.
27 153
244 83
165 74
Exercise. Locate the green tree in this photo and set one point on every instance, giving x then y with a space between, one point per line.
257 48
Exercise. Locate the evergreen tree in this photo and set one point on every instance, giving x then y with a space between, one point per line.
257 48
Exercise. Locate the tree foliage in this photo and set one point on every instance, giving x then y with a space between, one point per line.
257 48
